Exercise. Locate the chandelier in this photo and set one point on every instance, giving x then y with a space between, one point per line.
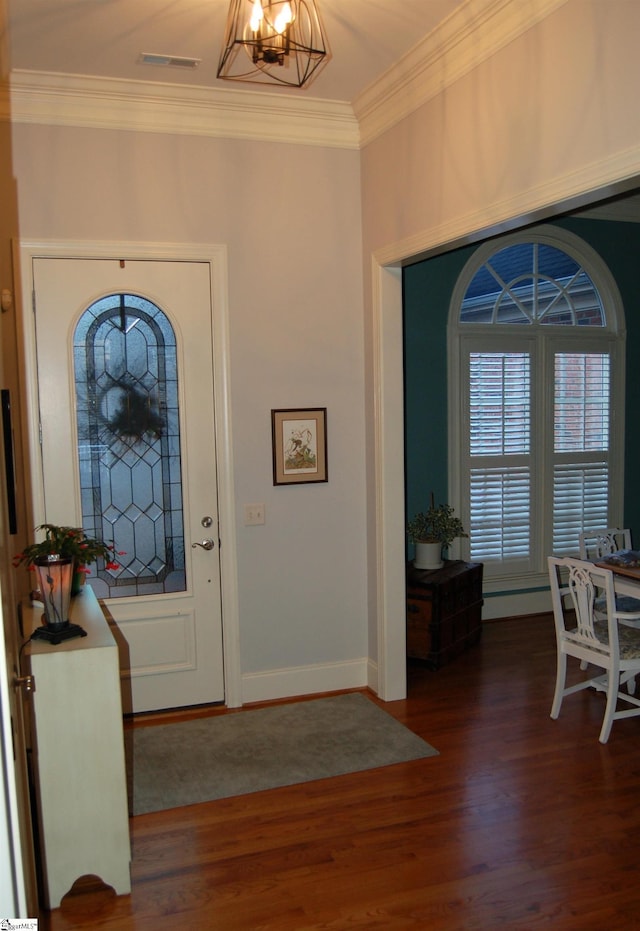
272 42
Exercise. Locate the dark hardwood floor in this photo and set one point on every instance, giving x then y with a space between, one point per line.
521 822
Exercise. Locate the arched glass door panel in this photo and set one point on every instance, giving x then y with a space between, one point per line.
128 426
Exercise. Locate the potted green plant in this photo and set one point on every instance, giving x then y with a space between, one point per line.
431 531
62 555
67 543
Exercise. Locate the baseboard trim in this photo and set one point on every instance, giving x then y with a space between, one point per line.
516 605
305 680
372 677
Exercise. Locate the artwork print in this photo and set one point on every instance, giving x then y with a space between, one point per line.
300 442
299 445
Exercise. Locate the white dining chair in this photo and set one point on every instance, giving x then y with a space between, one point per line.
608 644
598 544
595 544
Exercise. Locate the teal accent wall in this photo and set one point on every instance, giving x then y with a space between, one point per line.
619 246
427 290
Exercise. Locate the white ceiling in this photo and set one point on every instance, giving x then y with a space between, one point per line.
105 38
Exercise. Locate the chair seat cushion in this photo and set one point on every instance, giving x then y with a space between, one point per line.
623 603
628 638
627 603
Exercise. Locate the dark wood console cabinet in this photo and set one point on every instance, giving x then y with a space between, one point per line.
444 611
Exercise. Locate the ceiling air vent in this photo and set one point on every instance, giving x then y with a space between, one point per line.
169 61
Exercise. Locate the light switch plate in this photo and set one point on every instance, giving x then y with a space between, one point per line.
253 515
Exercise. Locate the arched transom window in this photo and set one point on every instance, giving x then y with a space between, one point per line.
535 351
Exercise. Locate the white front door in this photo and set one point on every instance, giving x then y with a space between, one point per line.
170 624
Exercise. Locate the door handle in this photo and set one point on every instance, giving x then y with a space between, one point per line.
205 544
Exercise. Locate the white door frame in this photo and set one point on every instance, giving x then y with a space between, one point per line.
389 544
216 257
578 189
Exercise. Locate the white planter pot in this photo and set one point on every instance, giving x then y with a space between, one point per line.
428 556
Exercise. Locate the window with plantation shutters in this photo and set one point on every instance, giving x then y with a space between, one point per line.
582 410
537 349
499 429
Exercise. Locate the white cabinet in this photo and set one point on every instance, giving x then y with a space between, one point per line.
79 757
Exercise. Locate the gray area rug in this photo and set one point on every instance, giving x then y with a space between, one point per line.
171 765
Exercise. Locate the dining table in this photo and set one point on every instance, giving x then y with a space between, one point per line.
626 579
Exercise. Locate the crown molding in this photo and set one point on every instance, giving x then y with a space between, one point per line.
470 35
145 106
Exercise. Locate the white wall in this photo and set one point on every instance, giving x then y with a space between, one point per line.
550 116
550 121
290 217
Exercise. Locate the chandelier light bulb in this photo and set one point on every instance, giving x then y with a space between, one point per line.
284 17
257 15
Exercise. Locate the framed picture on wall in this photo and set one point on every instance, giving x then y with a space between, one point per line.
299 437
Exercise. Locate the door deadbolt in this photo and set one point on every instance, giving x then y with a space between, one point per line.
206 521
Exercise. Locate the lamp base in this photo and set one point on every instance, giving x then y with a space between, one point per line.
66 632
